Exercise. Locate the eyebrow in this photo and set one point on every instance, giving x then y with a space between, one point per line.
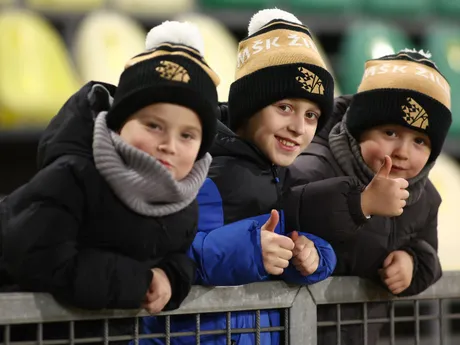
159 118
313 107
192 128
150 116
316 110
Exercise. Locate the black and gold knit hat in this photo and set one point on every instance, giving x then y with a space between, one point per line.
278 60
171 70
406 89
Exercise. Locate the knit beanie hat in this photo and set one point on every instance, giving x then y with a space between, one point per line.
171 70
278 60
405 89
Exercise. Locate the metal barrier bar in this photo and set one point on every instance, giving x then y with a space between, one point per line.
300 305
354 290
18 308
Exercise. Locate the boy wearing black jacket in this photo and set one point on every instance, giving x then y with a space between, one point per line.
386 142
107 220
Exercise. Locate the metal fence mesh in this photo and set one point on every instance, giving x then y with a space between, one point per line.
419 322
129 331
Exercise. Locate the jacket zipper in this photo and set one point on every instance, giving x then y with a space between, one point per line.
391 241
279 202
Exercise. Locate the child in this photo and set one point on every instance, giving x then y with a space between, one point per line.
282 94
107 220
386 143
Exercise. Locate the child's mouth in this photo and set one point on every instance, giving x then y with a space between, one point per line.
287 144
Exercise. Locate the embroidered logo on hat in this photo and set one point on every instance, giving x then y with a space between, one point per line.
173 71
414 114
310 81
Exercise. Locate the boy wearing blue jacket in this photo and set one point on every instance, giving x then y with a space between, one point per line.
282 94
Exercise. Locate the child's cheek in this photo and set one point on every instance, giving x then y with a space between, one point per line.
373 154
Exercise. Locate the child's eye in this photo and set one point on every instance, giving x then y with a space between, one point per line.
153 125
311 115
390 133
285 107
187 136
420 141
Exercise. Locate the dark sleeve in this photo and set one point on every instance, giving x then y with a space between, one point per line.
330 208
308 168
424 250
180 270
44 253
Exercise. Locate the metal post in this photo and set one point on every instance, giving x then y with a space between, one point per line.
302 319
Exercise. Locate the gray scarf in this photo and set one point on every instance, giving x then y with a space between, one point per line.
138 179
347 152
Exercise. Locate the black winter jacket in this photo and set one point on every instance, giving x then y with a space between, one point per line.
66 233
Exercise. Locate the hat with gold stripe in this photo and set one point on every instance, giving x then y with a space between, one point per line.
406 89
171 70
278 60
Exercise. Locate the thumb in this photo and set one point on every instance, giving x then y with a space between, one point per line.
294 236
385 169
389 260
272 222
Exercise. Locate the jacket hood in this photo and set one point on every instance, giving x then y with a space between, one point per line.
228 143
341 105
70 132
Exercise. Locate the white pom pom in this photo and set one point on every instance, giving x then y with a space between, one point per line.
263 17
426 54
175 32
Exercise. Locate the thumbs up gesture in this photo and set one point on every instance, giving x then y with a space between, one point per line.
276 249
384 196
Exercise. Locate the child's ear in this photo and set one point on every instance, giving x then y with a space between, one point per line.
242 130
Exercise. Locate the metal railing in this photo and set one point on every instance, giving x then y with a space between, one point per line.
299 308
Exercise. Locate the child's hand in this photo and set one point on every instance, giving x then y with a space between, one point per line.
397 271
276 249
159 292
384 196
306 258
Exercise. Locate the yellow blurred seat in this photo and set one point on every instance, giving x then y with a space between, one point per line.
153 8
36 74
446 178
220 49
65 5
104 42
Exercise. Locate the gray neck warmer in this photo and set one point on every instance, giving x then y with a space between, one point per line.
141 182
347 152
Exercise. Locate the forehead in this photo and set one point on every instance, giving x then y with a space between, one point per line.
171 114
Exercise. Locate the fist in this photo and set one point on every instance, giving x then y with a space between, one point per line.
397 271
159 292
305 256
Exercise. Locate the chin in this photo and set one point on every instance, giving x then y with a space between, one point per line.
283 161
399 175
